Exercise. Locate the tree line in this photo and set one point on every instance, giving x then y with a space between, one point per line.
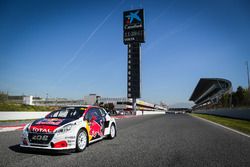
3 97
238 98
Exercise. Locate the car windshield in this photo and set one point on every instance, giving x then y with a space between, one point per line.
74 113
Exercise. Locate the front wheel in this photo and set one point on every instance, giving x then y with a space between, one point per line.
81 140
112 132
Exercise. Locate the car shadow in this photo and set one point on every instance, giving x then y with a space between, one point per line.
18 149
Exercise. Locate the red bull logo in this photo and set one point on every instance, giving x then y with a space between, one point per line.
95 129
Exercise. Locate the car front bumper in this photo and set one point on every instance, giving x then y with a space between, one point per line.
56 142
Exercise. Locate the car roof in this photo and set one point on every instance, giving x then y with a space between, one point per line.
77 106
84 106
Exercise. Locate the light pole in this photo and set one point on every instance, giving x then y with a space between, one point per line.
248 76
46 100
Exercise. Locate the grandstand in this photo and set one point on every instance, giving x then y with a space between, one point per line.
208 91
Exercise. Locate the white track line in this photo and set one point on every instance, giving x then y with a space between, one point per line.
243 134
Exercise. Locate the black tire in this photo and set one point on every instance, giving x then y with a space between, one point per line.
81 135
112 135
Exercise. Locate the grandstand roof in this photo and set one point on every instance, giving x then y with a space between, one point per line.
209 87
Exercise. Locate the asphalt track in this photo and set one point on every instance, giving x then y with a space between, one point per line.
156 140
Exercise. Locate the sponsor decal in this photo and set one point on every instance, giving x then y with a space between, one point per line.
42 128
51 121
95 129
70 137
70 141
34 129
88 129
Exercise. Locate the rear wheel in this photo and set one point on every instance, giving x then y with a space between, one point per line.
112 131
81 140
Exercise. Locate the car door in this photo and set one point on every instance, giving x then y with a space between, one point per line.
101 119
95 123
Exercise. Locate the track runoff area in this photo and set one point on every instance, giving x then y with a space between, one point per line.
152 140
19 125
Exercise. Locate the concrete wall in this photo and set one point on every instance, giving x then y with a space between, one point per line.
149 112
232 113
21 115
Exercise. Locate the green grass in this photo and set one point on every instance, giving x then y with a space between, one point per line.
240 125
23 107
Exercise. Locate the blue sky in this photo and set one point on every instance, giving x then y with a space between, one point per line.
73 48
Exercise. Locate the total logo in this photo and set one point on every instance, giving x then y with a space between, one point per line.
34 129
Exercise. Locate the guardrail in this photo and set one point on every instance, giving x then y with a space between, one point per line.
149 112
21 115
231 113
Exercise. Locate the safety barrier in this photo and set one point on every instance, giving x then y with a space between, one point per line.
21 115
231 113
149 112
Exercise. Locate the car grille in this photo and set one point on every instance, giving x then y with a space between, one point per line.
40 138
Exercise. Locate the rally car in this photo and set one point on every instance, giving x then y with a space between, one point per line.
69 128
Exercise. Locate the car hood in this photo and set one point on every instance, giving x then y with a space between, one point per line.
48 125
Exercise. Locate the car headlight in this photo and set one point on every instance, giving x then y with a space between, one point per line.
64 129
26 128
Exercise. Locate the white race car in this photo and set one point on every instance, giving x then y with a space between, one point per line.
69 128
